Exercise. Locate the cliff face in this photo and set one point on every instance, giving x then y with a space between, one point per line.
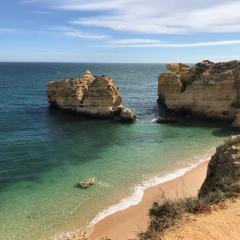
208 89
90 95
224 169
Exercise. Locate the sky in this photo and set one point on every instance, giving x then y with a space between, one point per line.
112 31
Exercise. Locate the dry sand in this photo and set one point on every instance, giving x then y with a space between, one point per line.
126 224
221 224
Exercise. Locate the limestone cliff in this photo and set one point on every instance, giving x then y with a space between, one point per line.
208 89
224 169
90 95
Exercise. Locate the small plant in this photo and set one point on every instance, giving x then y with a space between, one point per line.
189 204
202 208
162 216
167 214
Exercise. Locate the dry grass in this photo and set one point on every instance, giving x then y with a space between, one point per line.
167 214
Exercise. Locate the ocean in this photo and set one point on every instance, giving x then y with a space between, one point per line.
45 152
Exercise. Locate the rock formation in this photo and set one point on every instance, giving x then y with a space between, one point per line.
177 67
207 89
90 95
224 169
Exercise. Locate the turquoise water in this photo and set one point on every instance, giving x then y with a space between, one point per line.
45 152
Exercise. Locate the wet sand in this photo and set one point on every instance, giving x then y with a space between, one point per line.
126 224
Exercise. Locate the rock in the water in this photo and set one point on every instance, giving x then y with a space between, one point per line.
166 120
224 169
86 183
127 115
88 94
206 89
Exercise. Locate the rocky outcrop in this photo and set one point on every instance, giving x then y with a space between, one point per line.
127 114
178 67
208 89
224 169
90 95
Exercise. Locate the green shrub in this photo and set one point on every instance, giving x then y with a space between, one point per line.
162 216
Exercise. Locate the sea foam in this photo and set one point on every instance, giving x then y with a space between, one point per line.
138 192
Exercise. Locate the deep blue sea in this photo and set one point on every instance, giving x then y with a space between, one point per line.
45 152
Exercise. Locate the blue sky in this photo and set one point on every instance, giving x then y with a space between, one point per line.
120 30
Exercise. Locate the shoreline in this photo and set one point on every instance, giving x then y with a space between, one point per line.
127 220
174 185
139 190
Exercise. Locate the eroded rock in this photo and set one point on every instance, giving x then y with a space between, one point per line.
224 169
88 94
178 67
127 115
207 89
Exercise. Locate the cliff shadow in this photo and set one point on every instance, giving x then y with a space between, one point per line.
221 128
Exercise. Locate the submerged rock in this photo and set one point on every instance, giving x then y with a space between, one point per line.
88 94
86 183
207 89
166 120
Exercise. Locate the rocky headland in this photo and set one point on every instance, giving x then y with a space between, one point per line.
207 89
96 96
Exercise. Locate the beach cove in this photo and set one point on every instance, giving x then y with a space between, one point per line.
46 152
128 223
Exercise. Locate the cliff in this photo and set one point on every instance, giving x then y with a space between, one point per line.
208 89
223 175
90 95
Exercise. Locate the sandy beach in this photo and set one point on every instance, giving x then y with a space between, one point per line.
126 224
223 219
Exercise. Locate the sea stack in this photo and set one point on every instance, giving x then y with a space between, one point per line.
206 89
96 96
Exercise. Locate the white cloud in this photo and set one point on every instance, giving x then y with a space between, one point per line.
83 35
155 16
158 16
72 32
74 5
152 43
136 41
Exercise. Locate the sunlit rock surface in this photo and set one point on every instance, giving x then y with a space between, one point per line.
96 96
208 89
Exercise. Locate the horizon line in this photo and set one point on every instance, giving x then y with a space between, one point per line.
75 62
